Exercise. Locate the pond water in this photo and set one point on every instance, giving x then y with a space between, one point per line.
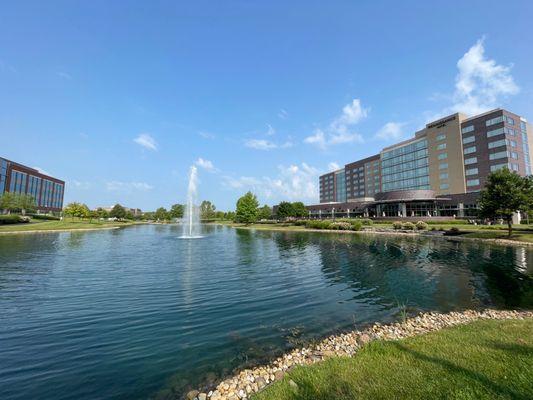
137 313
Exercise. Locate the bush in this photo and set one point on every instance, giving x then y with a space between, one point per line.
300 222
408 226
421 225
452 231
341 226
13 219
45 217
397 225
357 225
318 224
366 221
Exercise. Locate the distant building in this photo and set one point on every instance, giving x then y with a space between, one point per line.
438 172
47 191
137 212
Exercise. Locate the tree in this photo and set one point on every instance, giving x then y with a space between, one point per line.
117 212
504 194
176 211
161 214
229 216
265 212
246 211
285 210
129 215
8 202
101 213
77 210
207 210
299 209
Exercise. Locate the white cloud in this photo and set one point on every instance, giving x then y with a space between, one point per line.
283 114
391 131
333 166
205 164
146 141
340 130
293 182
206 135
263 144
64 75
128 186
42 171
81 185
271 131
481 84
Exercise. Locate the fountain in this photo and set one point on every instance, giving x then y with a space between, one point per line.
191 219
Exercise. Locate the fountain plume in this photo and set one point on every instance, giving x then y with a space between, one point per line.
191 218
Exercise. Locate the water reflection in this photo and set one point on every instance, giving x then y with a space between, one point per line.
138 305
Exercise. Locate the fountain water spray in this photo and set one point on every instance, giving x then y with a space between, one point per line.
191 220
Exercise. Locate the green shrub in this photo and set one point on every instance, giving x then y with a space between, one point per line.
433 228
318 224
408 226
357 225
300 222
341 226
366 221
13 219
45 217
421 225
397 225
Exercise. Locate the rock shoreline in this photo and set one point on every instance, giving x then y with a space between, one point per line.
250 381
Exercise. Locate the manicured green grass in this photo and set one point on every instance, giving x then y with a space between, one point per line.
39 225
481 360
498 234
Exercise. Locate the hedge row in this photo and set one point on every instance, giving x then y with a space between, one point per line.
348 225
13 219
409 226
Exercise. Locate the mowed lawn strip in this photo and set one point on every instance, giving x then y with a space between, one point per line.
481 360
60 225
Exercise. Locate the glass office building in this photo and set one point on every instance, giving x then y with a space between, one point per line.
47 191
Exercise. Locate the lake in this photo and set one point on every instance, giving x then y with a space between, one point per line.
137 313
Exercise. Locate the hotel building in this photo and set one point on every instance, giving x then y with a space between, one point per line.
17 178
439 172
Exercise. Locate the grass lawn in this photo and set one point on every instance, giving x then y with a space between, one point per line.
498 234
37 225
482 360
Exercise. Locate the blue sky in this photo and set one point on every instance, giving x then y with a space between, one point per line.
119 101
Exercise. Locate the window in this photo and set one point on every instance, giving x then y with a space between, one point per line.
472 182
471 160
467 129
498 155
470 150
441 146
514 155
444 186
493 121
497 143
443 176
442 156
509 131
442 136
495 132
514 167
512 143
443 165
472 171
498 166
509 120
469 139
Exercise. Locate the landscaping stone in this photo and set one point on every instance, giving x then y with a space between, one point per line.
250 381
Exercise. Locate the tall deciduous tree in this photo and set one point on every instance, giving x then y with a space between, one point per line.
176 211
285 210
207 210
161 214
246 211
299 209
265 212
117 212
76 210
504 194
